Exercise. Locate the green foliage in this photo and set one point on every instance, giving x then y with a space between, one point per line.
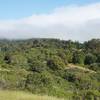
89 59
86 95
95 66
98 58
70 77
78 57
37 82
56 63
41 66
93 46
37 66
63 56
7 58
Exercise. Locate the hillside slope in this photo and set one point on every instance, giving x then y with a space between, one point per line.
49 67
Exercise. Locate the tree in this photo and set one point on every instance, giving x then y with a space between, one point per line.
78 57
7 58
63 56
98 58
56 63
89 59
36 65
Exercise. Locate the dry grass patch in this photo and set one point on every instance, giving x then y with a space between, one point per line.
16 95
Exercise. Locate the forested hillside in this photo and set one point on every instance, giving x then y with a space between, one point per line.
54 67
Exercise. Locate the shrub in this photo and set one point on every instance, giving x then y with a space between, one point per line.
95 66
89 59
78 57
98 58
70 77
37 82
56 63
37 66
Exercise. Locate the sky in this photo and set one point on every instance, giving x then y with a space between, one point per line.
77 20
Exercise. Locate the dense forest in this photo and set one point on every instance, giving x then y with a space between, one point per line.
53 67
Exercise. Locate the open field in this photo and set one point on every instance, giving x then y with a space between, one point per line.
15 95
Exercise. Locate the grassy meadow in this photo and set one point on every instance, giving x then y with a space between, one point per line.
16 95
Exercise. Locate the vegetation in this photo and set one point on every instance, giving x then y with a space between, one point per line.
41 66
15 95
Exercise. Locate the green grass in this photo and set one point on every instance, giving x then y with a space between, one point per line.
16 95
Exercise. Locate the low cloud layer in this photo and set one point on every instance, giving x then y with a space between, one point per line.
72 22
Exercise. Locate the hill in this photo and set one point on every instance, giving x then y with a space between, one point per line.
64 69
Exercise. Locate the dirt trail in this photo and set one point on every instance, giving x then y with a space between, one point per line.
81 68
4 70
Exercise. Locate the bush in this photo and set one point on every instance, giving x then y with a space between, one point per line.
70 77
86 95
37 82
78 58
56 63
98 58
95 66
89 59
63 56
7 58
37 66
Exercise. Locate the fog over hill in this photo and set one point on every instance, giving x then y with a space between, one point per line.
76 22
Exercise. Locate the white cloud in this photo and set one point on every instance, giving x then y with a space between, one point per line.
71 22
